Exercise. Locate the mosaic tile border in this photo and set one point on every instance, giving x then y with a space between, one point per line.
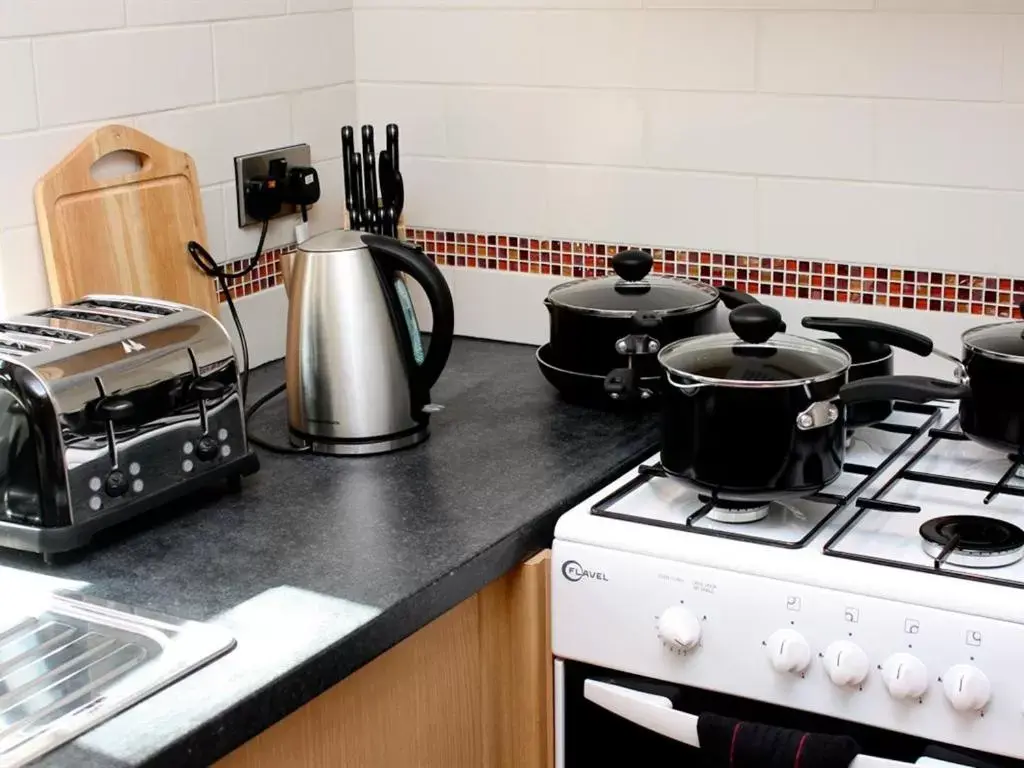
266 275
818 280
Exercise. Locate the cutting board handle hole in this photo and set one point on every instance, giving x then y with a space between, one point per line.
120 162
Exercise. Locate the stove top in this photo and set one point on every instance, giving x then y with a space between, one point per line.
915 494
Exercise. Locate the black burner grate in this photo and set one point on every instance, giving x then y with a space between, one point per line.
877 503
604 508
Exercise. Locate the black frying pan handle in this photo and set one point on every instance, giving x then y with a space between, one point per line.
911 389
856 329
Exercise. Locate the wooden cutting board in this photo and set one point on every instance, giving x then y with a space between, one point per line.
127 234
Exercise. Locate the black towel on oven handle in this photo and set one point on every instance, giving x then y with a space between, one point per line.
730 743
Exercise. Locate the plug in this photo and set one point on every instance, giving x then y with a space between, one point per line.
263 197
303 188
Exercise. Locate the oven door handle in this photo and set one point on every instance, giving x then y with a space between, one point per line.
655 713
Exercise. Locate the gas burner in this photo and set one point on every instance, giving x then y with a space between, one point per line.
725 511
972 541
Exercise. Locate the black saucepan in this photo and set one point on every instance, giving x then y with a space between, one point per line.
989 383
623 320
754 415
870 345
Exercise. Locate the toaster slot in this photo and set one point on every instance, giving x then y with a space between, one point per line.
11 346
149 309
89 316
58 335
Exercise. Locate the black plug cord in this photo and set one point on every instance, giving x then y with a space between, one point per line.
205 262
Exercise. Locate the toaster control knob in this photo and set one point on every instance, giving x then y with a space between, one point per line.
117 483
207 448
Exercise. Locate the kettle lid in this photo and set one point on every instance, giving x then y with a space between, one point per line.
334 240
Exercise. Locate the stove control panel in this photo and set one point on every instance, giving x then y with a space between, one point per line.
942 676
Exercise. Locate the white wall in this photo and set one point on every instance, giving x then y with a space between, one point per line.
211 77
872 131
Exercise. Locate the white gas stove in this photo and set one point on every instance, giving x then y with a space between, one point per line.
889 607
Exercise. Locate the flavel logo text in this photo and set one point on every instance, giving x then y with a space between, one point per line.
573 571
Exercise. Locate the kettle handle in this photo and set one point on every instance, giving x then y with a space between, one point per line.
413 263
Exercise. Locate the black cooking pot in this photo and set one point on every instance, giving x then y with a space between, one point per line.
989 383
869 345
753 415
617 324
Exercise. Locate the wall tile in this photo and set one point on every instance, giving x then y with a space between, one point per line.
215 135
307 6
914 55
693 50
497 196
329 213
784 135
98 76
945 6
627 205
586 48
789 5
939 56
213 213
244 68
419 111
1013 59
1014 159
24 158
17 93
882 224
23 284
21 18
943 143
144 12
317 117
549 125
500 4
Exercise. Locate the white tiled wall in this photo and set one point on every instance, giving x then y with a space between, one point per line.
211 77
878 131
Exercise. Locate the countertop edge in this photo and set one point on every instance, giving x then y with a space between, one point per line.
223 734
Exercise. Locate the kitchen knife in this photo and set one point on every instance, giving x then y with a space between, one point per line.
391 133
371 201
387 190
358 214
347 150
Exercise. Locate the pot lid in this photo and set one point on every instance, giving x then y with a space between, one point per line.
1004 340
632 289
755 354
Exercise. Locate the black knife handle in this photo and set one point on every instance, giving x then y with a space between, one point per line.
347 150
391 134
357 193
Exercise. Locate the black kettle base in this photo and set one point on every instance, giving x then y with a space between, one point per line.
370 446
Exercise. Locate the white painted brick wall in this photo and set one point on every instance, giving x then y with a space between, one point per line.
875 131
206 76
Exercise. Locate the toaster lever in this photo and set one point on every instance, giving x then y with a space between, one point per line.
115 408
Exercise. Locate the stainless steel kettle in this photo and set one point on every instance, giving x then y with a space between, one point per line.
357 379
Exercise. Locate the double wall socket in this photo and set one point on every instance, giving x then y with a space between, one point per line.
258 164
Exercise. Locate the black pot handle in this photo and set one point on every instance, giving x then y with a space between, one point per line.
911 389
620 384
732 298
633 265
855 329
401 258
755 323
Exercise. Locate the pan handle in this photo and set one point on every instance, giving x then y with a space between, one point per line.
856 329
912 389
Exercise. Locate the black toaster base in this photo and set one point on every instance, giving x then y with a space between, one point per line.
52 541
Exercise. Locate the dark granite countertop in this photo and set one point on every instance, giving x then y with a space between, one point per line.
321 564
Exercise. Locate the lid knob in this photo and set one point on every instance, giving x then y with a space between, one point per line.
632 265
755 323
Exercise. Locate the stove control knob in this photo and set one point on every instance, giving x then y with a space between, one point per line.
678 628
846 663
967 688
905 676
788 651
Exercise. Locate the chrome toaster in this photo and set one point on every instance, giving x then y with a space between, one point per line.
109 407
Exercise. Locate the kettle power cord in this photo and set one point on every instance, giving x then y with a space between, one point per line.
206 263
